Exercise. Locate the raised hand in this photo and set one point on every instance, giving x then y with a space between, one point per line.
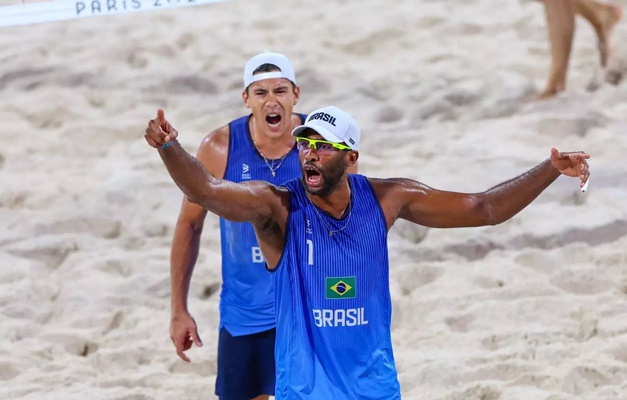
159 132
571 164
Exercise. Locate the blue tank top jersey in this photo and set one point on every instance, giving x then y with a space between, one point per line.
333 302
247 297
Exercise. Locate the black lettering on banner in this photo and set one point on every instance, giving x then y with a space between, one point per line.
80 6
111 6
95 5
157 4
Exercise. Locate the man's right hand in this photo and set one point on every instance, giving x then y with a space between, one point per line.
183 332
159 131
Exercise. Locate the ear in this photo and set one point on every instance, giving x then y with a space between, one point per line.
351 158
245 98
296 94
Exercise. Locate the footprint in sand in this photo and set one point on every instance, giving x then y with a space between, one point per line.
475 392
409 231
582 283
52 251
191 84
311 81
459 323
414 277
116 322
372 42
8 371
389 114
119 359
495 342
534 379
569 125
581 380
107 228
488 282
538 260
499 370
13 200
134 396
618 352
203 368
71 342
27 78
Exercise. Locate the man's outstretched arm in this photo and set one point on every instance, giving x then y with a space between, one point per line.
426 206
254 201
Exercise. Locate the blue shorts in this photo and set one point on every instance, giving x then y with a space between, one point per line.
245 365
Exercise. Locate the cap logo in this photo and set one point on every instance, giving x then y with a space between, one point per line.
324 117
351 141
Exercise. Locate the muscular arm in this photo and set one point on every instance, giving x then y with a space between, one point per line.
212 154
418 203
257 202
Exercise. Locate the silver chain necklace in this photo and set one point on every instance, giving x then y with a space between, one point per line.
272 168
348 218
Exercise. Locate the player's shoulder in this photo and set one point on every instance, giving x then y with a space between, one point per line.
383 186
217 139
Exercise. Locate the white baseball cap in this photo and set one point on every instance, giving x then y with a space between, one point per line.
334 125
281 61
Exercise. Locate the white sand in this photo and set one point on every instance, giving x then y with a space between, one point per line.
531 309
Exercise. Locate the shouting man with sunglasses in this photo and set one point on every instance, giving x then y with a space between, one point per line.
324 237
254 147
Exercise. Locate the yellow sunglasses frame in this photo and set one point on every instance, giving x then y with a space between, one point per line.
310 142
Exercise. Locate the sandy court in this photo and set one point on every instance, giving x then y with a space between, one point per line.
443 90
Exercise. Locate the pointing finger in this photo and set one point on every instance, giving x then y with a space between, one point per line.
179 350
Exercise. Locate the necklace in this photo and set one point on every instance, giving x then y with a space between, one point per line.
273 169
348 218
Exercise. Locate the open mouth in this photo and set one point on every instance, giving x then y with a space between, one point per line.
312 175
273 119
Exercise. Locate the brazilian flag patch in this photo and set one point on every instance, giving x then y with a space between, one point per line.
341 288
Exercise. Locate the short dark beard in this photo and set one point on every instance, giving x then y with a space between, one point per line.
331 175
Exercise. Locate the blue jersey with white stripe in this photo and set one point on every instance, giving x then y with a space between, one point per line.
333 302
247 297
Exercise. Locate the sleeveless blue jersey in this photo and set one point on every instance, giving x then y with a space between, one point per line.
247 297
333 302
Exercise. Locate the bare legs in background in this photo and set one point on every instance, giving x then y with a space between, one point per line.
560 16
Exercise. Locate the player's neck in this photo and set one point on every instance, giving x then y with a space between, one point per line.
272 147
335 203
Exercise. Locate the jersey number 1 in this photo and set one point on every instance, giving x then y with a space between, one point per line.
309 252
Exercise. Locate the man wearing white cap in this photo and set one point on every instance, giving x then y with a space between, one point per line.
254 147
324 236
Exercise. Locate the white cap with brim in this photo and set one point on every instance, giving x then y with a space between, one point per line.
334 125
277 59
